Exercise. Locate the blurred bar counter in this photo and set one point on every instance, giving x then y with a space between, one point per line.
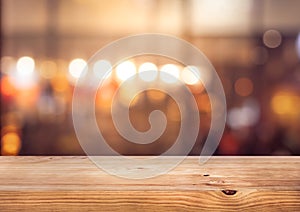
72 183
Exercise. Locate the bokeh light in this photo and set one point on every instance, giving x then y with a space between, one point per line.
272 38
25 66
286 103
125 70
10 144
7 89
76 67
190 75
23 76
245 116
243 86
258 63
169 73
148 72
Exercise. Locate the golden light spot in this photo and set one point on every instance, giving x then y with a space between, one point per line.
286 103
10 144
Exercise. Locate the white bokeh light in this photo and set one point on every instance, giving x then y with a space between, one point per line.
167 70
150 72
23 75
245 116
125 70
25 66
272 38
76 67
190 75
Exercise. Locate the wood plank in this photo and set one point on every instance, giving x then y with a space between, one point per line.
224 183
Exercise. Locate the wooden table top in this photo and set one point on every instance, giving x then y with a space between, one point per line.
74 183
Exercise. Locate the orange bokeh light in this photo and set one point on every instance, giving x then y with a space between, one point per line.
10 144
243 86
7 89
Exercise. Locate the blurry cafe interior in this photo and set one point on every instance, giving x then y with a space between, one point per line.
254 46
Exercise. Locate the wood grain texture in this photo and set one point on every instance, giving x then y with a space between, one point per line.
222 184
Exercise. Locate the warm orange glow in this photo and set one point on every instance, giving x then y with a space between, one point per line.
10 144
27 98
243 86
173 112
203 103
286 103
156 95
48 69
197 88
7 89
60 83
105 96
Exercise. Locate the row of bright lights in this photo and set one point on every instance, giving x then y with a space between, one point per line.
148 72
190 75
24 75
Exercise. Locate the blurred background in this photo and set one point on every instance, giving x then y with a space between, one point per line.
254 46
